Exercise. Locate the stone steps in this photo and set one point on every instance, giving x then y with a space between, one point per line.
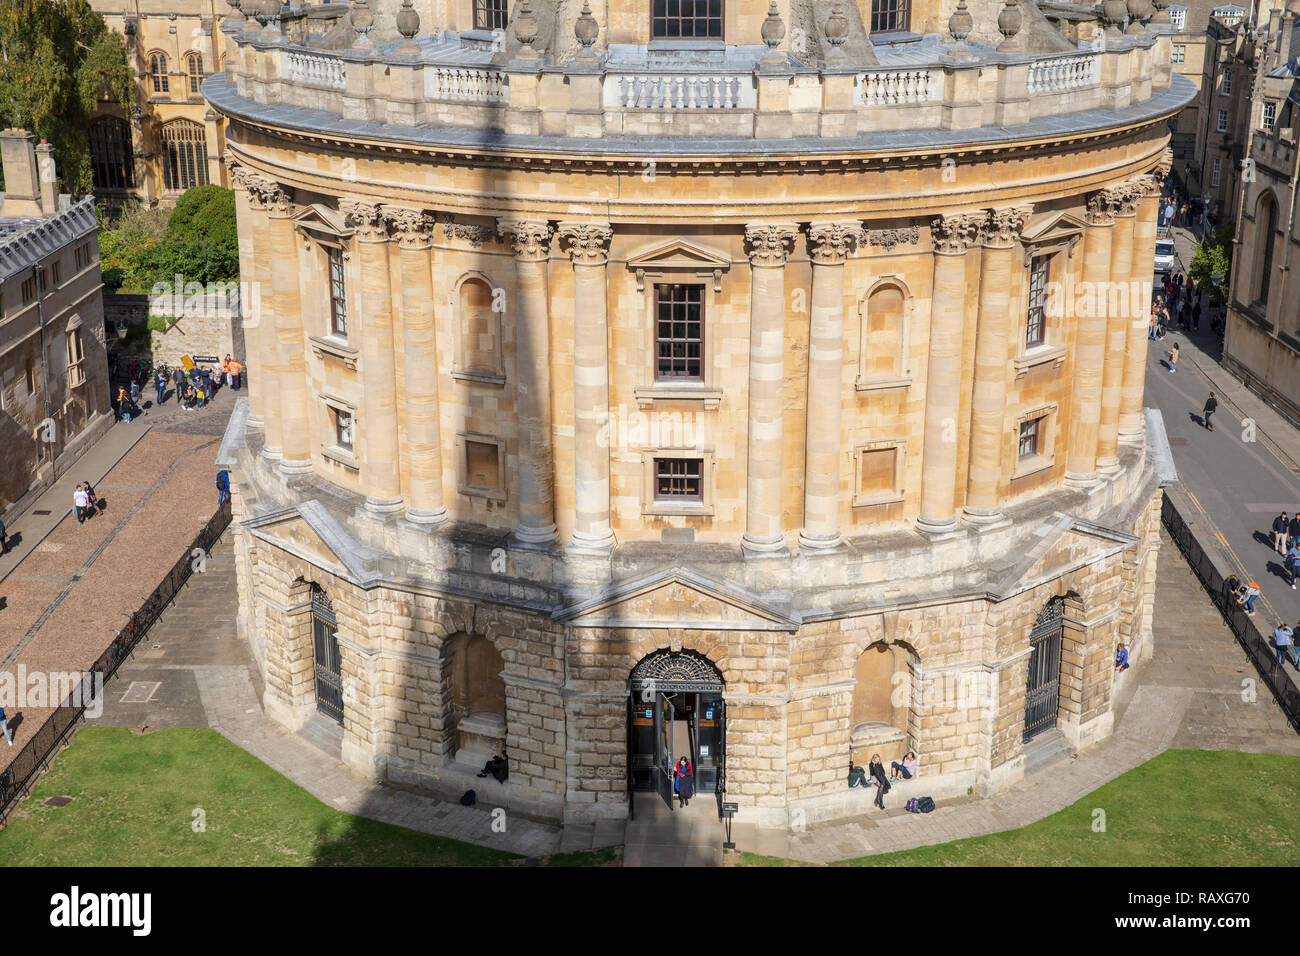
1045 750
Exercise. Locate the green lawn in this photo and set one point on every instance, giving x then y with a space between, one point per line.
1182 808
134 799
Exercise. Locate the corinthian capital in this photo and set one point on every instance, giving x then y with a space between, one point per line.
413 227
267 194
830 243
954 233
367 218
769 242
1003 226
530 239
588 241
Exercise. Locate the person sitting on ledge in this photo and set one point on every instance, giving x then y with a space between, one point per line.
857 776
497 767
1121 658
905 770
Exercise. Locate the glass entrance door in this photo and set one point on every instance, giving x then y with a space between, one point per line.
664 738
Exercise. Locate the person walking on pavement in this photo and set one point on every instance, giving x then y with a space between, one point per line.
1173 358
1293 530
1289 562
1282 642
4 726
160 385
1280 533
81 503
1211 405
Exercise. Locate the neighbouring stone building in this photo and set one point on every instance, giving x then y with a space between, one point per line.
759 382
1262 340
54 400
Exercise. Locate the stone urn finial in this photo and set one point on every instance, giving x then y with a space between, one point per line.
1138 10
961 23
268 14
235 14
408 25
1009 22
526 26
249 8
773 31
362 21
1162 10
586 29
1113 12
836 31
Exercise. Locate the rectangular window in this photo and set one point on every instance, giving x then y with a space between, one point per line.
1179 53
82 255
1036 329
490 14
1225 88
31 377
482 465
890 16
1029 438
1178 17
29 289
338 293
1222 123
344 428
686 20
679 331
1215 172
1269 116
76 373
679 479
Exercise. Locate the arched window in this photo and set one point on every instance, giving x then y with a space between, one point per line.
185 155
158 71
1265 227
194 70
111 159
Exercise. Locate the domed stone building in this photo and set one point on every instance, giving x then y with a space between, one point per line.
760 382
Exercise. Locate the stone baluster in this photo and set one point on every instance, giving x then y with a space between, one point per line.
769 245
588 246
531 239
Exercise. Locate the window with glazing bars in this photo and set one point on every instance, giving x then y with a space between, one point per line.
889 16
679 332
490 14
194 66
185 155
679 479
1029 437
338 293
1036 328
158 71
110 154
686 19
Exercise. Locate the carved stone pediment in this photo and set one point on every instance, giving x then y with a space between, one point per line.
678 255
676 598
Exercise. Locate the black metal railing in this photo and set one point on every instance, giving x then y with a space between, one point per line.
1253 641
17 779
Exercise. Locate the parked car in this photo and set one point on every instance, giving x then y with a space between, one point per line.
1166 255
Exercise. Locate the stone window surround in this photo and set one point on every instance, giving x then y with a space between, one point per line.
320 242
1051 350
706 390
461 371
329 448
904 380
462 466
899 492
650 505
1046 456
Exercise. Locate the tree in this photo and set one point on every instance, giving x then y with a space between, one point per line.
57 59
1211 259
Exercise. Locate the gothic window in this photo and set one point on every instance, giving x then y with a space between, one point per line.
194 70
185 155
111 160
158 71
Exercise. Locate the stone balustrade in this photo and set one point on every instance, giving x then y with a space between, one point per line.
315 69
894 87
1059 74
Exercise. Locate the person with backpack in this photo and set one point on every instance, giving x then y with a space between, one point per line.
223 487
123 404
1247 595
876 770
1211 406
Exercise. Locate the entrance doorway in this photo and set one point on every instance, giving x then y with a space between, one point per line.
1042 694
329 663
676 710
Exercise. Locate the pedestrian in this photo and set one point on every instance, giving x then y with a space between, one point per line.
80 503
4 725
236 374
178 379
1121 658
876 770
1151 328
1247 595
225 368
1290 561
200 395
135 399
1173 358
683 782
123 404
4 539
223 487
160 385
1282 642
1295 648
91 499
1211 405
1279 532
1293 530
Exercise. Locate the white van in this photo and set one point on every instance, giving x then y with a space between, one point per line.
1166 255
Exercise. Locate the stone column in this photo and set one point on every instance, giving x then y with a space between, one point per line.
263 359
588 246
769 245
414 231
531 239
1090 346
953 235
379 426
295 434
999 235
829 245
250 294
1117 324
1131 426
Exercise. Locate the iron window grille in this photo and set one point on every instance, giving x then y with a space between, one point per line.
679 479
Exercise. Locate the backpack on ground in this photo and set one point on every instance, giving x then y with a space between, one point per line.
468 798
925 805
913 805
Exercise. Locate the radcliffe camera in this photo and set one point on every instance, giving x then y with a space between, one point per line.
624 434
